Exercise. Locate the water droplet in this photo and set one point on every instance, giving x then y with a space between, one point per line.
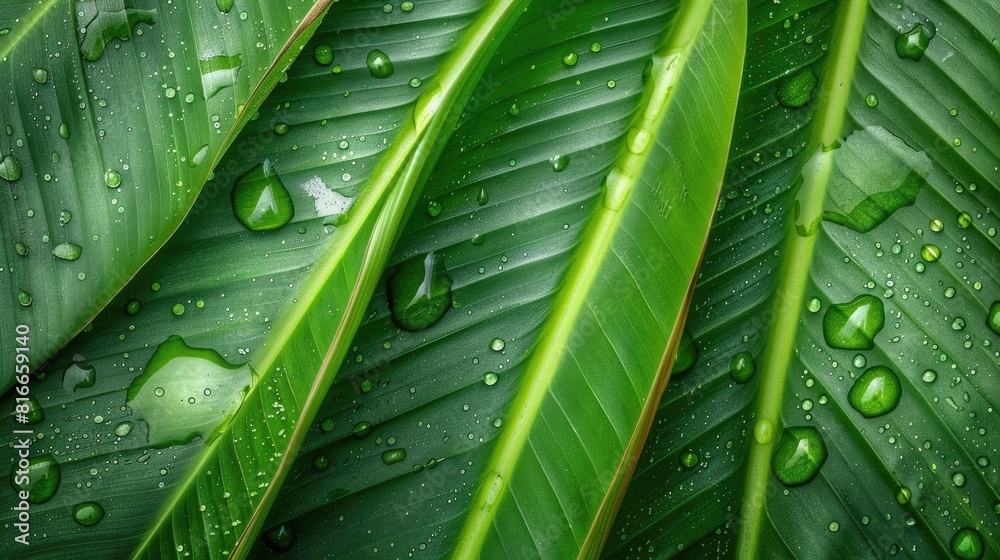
930 253
958 479
497 344
178 309
964 220
175 373
88 513
415 82
406 6
763 431
24 298
379 64
280 538
853 325
859 361
689 459
993 318
112 178
224 6
912 44
123 429
875 392
218 73
21 249
595 47
78 377
42 480
514 110
133 307
742 367
97 27
484 197
929 376
40 75
419 292
833 527
362 429
796 90
958 324
10 170
260 200
687 354
490 378
391 456
967 544
323 54
559 163
798 456
903 496
814 305
571 59
872 100
31 409
67 251
433 208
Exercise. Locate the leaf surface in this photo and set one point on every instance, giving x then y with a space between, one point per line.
115 113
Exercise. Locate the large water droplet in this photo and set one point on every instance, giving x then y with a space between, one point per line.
186 392
78 377
798 456
875 392
10 170
993 317
967 544
796 90
913 43
379 64
419 292
687 354
88 513
362 429
67 251
742 367
280 538
40 479
260 200
853 325
219 72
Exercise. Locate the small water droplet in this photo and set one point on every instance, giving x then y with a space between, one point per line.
689 459
10 170
497 344
799 455
484 197
42 479
872 100
930 253
260 200
391 456
362 429
433 208
78 377
419 292
379 64
88 513
853 325
559 163
571 59
912 44
742 367
112 178
67 251
993 317
929 376
490 378
875 392
40 75
323 54
796 90
280 538
967 544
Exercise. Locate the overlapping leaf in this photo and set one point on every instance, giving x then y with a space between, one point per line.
902 484
114 115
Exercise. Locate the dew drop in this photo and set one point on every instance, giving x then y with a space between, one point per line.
419 292
799 455
379 64
260 200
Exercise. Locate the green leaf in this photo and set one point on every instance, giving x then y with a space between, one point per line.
190 419
854 264
531 389
115 113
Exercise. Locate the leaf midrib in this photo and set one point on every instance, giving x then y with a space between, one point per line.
670 60
793 274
